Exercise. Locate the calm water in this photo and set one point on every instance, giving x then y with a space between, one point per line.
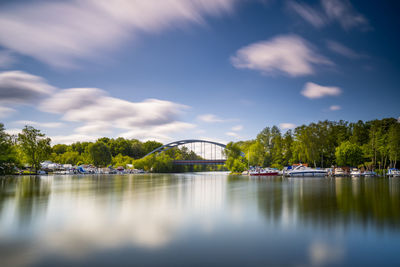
198 219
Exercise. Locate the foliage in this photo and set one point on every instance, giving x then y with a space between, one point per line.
34 146
348 154
235 161
8 156
121 160
100 154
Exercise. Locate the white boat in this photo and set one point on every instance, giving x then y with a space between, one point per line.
339 172
303 171
393 172
263 172
355 172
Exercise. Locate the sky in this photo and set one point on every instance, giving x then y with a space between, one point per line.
219 70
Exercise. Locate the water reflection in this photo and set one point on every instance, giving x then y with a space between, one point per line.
47 220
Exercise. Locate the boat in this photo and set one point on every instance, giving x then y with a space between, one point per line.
355 172
303 171
393 172
263 172
369 173
339 172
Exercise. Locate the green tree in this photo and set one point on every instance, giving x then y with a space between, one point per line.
8 157
121 160
394 144
349 154
149 146
235 162
59 149
35 146
287 147
255 154
100 154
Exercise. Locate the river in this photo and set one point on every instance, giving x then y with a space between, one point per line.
198 219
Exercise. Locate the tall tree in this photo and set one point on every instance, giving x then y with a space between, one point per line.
348 154
8 158
394 144
35 146
100 154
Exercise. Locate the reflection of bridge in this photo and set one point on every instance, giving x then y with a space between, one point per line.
210 153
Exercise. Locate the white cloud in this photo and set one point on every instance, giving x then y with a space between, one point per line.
98 112
233 134
41 124
329 11
342 50
101 113
289 54
13 131
313 90
237 128
287 125
72 138
211 118
312 15
18 87
160 133
335 107
343 12
60 32
5 111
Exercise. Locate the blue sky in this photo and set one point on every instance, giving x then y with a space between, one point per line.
213 69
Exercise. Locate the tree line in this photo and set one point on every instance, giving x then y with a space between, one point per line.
373 145
31 147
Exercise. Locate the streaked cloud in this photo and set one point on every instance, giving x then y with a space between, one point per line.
41 124
312 15
313 91
335 107
72 138
342 50
96 111
329 11
210 118
18 87
159 132
343 12
233 134
288 54
237 128
61 32
6 111
287 125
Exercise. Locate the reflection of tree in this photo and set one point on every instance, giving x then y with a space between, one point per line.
331 202
32 196
6 183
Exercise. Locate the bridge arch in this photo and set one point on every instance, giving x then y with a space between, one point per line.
183 142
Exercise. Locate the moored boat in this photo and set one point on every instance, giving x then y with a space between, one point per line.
355 172
393 172
303 171
339 172
263 172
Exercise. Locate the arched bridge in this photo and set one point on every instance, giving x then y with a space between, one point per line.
207 150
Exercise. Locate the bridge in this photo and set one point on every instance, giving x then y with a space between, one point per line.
209 152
